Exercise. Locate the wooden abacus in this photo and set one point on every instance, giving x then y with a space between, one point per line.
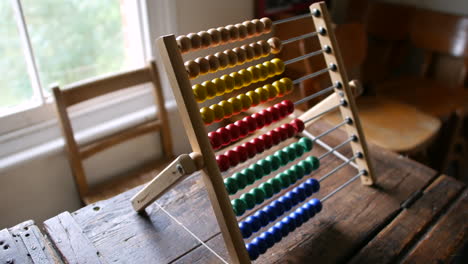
289 190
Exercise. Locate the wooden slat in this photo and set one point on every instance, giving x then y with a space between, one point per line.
119 137
88 89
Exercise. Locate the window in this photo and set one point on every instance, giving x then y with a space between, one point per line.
47 42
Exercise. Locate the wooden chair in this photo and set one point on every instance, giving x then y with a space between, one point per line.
84 91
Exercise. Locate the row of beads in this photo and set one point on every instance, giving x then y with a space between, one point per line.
277 208
267 239
265 166
248 200
222 35
237 80
257 145
232 57
242 102
226 135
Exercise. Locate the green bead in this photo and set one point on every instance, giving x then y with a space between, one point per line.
259 195
282 156
250 174
276 184
299 149
231 185
307 166
291 153
284 179
238 206
267 189
292 175
300 172
274 161
314 162
258 170
266 166
307 143
249 200
241 180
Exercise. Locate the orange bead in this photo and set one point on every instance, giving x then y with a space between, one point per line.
218 112
234 32
184 43
272 92
246 77
268 24
280 87
220 86
232 57
192 68
288 83
225 35
255 97
207 115
223 60
263 93
241 55
255 73
215 36
213 61
229 81
246 101
236 105
205 39
203 64
275 44
210 89
195 40
238 81
227 108
200 93
279 65
263 71
271 68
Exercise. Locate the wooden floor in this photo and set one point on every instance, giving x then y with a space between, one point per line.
412 215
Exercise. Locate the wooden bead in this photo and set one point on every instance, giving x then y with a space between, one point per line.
259 26
225 135
249 52
263 93
220 86
207 115
238 80
271 68
280 87
192 68
205 39
215 139
251 28
241 55
195 40
200 93
218 112
255 73
223 60
225 35
257 50
232 57
234 131
229 81
263 71
266 49
289 84
203 64
255 97
246 77
210 89
275 44
215 36
243 128
279 65
242 31
246 101
236 105
233 32
184 43
271 91
227 107
213 62
268 24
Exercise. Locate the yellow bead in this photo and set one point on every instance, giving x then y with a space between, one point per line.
220 86
280 87
271 68
210 89
227 108
207 115
263 71
255 73
238 82
264 94
246 77
200 92
246 101
272 92
255 97
279 65
288 83
218 112
236 105
229 81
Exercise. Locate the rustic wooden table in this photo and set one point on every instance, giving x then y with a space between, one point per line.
412 215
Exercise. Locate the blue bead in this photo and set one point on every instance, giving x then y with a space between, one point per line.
317 205
300 192
314 183
254 223
261 244
263 217
283 227
289 222
245 229
304 213
294 197
309 208
308 188
298 218
276 232
253 251
286 201
269 239
279 208
270 212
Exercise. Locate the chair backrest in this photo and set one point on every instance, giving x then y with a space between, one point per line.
86 90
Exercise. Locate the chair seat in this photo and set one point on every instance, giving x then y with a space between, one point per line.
392 125
429 96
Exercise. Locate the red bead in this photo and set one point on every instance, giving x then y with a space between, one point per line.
251 149
275 136
283 134
243 127
298 125
251 123
260 119
282 110
242 153
289 105
234 131
259 144
215 139
233 157
225 135
274 112
267 115
267 140
290 129
223 162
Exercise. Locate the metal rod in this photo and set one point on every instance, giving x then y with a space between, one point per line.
303 57
323 113
342 186
289 19
336 147
337 168
312 96
330 130
308 35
